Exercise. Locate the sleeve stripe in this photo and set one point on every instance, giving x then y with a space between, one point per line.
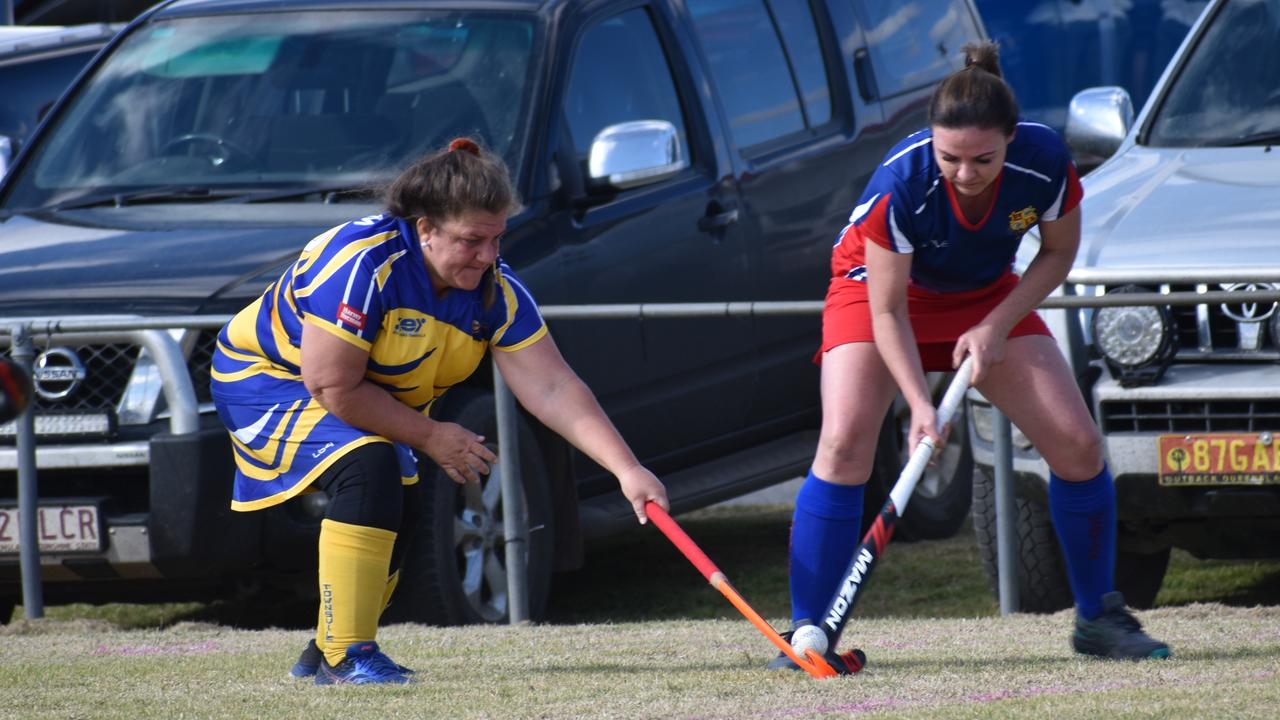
1029 123
340 259
351 279
337 332
1069 194
527 297
368 295
1052 212
907 149
535 337
927 193
1029 171
900 240
863 209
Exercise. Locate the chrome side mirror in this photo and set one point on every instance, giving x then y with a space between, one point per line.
635 153
1098 120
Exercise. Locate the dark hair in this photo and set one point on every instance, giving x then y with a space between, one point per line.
976 95
448 182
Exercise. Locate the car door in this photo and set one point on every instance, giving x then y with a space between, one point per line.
673 386
801 158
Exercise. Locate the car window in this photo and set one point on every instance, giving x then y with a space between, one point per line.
1228 92
31 87
913 44
334 98
751 71
620 73
804 48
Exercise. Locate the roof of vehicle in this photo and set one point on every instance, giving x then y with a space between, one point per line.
15 39
225 6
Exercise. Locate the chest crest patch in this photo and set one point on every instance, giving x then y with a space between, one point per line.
1021 220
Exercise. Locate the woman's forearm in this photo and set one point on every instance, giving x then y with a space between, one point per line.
571 410
369 407
896 343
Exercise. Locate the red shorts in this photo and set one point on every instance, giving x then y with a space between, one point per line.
937 319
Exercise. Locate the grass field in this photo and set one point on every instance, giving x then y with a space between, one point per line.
639 634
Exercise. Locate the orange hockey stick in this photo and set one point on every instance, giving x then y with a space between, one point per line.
812 663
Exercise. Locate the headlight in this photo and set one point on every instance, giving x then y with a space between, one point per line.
1136 341
1129 336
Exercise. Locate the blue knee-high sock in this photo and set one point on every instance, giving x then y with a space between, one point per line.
1084 516
824 533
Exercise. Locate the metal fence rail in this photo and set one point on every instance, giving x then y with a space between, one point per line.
150 332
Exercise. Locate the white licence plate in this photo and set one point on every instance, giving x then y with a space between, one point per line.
60 528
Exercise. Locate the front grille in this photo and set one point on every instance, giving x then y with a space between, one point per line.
106 386
1207 333
107 368
200 363
1184 416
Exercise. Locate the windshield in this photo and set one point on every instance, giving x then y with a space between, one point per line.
283 100
1228 93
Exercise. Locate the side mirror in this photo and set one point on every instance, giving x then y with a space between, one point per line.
635 153
6 154
1098 120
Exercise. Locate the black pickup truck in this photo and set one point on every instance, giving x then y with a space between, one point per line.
666 151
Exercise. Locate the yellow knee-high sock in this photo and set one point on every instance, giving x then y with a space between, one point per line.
354 561
389 590
320 628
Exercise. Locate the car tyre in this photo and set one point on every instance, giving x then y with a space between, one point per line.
940 504
455 570
1042 579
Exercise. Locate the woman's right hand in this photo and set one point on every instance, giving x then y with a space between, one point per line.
924 423
459 452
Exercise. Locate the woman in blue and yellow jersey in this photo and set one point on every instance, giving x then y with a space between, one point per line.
326 380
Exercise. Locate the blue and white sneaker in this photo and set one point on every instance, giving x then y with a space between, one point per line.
363 665
309 662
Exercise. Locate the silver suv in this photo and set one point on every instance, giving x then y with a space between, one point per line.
1187 395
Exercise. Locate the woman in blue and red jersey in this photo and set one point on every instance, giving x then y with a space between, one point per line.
922 276
325 383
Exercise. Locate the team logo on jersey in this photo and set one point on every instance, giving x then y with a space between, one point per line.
410 327
1021 220
351 316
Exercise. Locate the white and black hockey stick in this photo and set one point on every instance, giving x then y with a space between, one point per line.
877 537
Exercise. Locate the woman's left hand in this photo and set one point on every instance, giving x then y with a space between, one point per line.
985 344
641 486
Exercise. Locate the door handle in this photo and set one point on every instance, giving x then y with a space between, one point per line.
718 217
866 79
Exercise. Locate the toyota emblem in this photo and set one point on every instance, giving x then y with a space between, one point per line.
1248 312
57 373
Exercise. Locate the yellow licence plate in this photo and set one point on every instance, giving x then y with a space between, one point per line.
1220 459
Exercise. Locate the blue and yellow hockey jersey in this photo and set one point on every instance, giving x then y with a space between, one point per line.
366 282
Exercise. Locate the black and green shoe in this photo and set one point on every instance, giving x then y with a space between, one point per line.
1116 634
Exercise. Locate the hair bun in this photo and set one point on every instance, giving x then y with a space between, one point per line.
465 144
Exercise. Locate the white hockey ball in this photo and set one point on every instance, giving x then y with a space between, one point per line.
809 637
